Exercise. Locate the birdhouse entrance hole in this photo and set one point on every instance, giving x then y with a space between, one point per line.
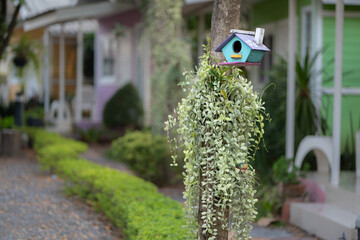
237 46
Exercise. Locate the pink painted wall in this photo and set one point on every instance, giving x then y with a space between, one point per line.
105 92
128 19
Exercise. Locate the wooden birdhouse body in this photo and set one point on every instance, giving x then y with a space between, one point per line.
231 52
242 48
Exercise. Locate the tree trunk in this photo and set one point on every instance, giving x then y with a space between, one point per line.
7 30
226 16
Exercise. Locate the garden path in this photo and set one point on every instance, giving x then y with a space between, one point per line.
35 206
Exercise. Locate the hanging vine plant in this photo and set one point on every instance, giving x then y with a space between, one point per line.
219 126
170 56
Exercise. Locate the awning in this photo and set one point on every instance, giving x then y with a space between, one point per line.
73 13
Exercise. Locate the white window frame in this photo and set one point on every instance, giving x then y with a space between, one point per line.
304 45
110 78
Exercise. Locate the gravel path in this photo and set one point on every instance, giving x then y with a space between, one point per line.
34 206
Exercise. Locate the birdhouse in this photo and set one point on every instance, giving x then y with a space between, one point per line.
242 167
243 48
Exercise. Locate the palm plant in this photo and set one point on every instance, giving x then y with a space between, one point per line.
307 118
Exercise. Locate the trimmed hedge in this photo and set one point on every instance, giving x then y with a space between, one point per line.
124 109
129 202
145 154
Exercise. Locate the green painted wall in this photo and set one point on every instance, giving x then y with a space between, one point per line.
274 10
351 73
347 7
350 117
269 11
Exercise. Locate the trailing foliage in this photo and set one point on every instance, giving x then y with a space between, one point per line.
129 202
147 155
124 109
170 55
220 124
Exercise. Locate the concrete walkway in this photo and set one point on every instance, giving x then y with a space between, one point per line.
35 206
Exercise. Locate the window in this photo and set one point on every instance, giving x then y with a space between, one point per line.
109 48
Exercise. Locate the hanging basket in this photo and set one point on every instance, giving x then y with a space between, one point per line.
20 61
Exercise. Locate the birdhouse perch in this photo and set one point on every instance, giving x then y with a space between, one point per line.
243 48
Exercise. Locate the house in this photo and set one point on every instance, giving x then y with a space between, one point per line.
315 31
296 28
64 28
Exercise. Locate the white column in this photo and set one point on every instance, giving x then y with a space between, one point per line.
335 171
201 31
60 116
290 99
318 40
46 70
79 73
147 78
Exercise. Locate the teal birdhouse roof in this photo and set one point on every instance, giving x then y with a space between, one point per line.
247 39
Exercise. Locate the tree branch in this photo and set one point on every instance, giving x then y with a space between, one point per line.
3 12
10 29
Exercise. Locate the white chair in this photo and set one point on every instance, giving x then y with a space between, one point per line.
322 147
64 123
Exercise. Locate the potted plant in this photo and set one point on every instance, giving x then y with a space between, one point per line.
35 117
289 180
10 138
23 51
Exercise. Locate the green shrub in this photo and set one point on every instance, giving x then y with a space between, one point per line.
43 139
91 135
147 155
52 148
124 109
129 202
281 171
49 156
7 122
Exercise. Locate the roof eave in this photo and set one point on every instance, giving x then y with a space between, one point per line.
95 10
227 40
